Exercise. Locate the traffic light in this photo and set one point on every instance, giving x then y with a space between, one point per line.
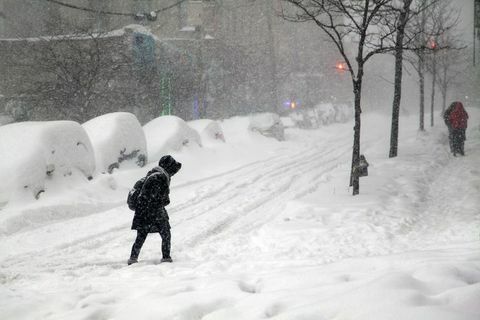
341 66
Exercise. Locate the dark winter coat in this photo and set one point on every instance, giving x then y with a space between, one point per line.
151 214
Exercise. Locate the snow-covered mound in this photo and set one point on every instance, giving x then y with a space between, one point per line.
326 113
31 152
209 130
287 122
267 124
169 133
118 139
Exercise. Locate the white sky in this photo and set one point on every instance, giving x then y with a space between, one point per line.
466 18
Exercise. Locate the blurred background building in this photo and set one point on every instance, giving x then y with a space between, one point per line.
195 59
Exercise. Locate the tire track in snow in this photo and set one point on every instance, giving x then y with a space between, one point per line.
104 237
234 194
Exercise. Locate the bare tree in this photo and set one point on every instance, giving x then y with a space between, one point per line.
399 25
451 65
424 29
348 22
445 47
69 74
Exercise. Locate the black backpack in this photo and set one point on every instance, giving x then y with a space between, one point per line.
134 193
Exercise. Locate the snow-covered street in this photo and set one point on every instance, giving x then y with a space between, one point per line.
263 229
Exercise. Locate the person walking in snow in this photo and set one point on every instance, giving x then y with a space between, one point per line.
150 213
456 119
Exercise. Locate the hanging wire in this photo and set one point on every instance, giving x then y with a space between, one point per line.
114 13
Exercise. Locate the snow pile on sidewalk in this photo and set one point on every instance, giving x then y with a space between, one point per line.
118 140
33 152
169 133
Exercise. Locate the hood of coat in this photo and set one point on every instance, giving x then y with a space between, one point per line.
169 164
458 107
157 169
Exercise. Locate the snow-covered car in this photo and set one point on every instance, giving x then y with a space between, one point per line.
287 122
209 130
301 120
326 113
32 152
267 124
169 133
118 140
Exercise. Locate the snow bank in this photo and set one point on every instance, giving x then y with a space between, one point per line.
118 140
209 130
34 151
169 133
267 124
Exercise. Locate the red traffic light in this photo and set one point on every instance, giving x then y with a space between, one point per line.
341 66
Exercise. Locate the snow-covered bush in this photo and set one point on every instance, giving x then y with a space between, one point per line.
117 139
209 130
267 124
169 133
31 152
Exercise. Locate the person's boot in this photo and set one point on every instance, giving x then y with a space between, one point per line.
132 261
167 259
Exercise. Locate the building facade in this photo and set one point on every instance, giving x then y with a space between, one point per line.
211 58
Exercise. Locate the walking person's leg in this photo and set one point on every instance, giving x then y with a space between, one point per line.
450 139
456 141
137 246
166 242
462 142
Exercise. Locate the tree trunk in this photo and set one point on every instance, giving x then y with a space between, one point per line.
421 67
354 178
434 79
397 93
444 91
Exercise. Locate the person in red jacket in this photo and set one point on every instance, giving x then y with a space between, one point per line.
456 119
